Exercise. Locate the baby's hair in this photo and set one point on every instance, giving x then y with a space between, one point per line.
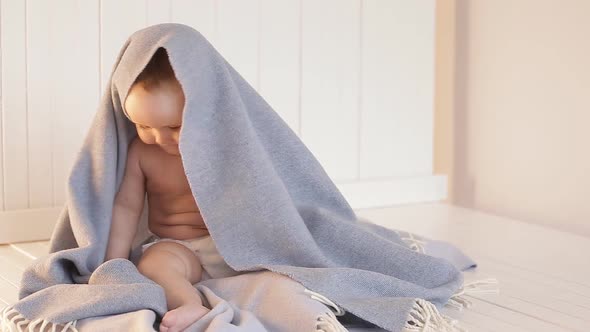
157 71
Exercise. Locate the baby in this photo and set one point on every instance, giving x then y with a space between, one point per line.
182 252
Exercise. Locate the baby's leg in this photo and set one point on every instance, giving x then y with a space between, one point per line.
176 268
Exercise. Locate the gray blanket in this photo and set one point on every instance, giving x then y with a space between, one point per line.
267 202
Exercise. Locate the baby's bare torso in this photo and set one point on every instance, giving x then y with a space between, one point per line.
173 212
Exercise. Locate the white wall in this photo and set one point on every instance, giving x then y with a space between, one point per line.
353 78
523 110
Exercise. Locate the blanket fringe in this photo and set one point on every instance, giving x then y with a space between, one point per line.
415 243
18 323
337 310
328 321
459 301
425 317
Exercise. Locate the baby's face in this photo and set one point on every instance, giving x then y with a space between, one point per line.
157 115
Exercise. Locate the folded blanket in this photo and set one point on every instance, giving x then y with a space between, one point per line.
252 302
266 200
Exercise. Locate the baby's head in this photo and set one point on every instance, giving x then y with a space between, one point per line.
155 103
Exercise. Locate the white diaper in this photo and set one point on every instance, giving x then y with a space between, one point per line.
213 264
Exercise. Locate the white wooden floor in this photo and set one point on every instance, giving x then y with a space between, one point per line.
543 274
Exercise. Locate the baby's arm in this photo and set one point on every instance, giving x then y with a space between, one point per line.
127 207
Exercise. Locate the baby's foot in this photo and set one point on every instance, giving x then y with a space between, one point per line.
180 318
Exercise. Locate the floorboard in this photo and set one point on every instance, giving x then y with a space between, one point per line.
543 286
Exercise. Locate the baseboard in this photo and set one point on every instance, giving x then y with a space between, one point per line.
28 224
394 191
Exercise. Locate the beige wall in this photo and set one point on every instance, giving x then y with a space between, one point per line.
444 92
522 110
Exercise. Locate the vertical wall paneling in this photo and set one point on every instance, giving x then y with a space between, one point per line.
397 93
354 79
237 36
75 57
199 14
330 92
118 20
14 105
359 116
157 11
87 53
40 89
280 58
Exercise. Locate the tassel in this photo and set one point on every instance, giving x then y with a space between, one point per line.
459 301
425 317
8 324
413 241
321 298
328 321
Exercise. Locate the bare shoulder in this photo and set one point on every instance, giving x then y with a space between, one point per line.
132 189
135 151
